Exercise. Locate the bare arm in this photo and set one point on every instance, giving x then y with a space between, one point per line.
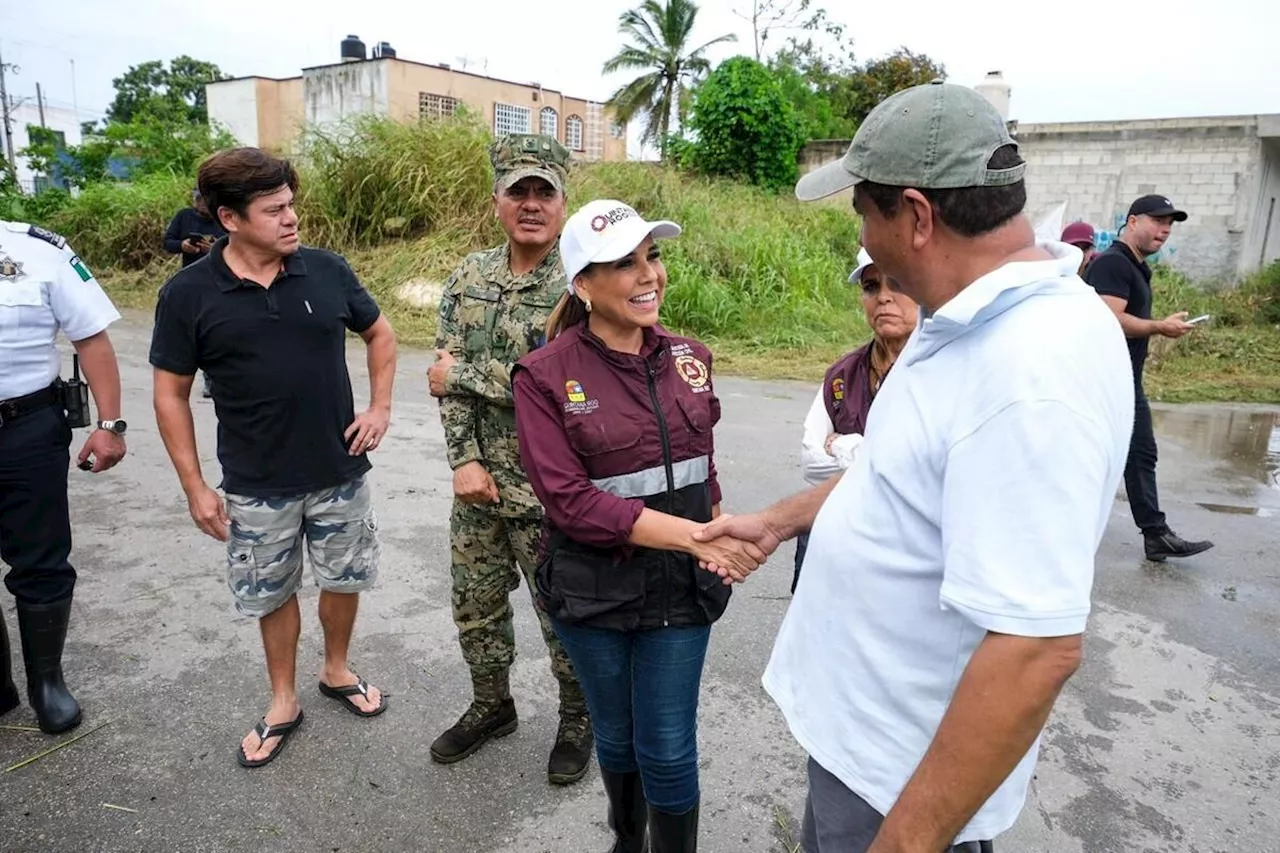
171 399
98 357
1134 327
999 707
380 353
1173 326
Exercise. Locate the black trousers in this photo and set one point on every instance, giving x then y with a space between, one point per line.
35 524
802 545
1140 470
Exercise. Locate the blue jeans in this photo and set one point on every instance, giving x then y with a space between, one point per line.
642 691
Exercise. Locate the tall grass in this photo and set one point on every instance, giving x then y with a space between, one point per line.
760 276
122 225
371 179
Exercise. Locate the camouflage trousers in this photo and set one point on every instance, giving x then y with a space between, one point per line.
486 549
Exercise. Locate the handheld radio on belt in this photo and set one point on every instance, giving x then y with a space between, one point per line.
75 397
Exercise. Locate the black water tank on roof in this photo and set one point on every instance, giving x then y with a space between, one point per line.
352 49
384 50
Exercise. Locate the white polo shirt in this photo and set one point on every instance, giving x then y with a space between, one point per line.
44 287
976 503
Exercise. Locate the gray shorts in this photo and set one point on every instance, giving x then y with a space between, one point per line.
264 550
836 820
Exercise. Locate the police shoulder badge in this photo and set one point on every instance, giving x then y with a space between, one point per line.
692 370
47 236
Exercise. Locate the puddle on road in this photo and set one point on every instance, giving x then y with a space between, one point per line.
1260 511
1247 441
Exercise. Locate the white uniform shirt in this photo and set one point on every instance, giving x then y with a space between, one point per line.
43 288
976 503
815 462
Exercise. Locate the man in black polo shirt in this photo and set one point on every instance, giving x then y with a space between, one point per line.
1123 279
267 319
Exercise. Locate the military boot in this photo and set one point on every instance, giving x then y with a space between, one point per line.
8 690
492 714
44 629
575 739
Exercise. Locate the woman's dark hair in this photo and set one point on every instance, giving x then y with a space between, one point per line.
971 211
235 177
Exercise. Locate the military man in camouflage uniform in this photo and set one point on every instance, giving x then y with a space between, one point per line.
494 310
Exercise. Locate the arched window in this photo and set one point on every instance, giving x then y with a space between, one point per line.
549 122
573 133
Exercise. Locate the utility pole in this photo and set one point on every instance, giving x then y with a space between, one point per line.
4 108
40 104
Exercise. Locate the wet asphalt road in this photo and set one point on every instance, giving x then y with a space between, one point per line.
1167 740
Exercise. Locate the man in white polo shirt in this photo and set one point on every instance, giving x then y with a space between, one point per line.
948 577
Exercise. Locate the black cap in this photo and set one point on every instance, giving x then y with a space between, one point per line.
1156 205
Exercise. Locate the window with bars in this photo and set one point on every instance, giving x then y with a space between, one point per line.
549 122
573 133
436 106
508 118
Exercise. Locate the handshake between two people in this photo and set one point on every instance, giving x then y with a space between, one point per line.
734 546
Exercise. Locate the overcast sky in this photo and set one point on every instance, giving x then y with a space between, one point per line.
1092 61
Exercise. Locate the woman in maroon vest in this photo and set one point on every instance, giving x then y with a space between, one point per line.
614 417
836 420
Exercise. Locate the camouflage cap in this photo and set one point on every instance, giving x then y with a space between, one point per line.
523 155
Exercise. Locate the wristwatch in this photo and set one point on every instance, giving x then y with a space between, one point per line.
117 426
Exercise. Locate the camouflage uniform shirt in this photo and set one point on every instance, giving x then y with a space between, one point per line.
489 319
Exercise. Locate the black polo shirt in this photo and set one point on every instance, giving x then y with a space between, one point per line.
1119 272
277 360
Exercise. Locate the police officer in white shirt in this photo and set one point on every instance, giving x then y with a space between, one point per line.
45 287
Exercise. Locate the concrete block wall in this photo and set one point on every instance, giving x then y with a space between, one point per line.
1208 167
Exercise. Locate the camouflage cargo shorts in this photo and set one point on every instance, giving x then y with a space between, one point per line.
264 550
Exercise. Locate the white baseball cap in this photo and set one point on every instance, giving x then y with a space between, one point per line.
864 261
605 230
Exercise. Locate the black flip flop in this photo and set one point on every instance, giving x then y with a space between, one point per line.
343 694
265 733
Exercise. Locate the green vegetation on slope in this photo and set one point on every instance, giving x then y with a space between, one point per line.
758 276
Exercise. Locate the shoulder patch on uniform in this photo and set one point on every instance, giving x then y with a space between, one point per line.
47 236
80 268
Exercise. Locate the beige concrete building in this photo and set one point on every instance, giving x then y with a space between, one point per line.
1224 171
270 113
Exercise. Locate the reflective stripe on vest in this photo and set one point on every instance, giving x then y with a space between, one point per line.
653 481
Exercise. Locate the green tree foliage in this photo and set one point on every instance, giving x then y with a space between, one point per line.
833 92
173 94
744 125
660 35
880 78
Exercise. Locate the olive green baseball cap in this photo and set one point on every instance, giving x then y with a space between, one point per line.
937 136
517 156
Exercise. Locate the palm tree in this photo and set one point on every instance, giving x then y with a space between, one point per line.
660 34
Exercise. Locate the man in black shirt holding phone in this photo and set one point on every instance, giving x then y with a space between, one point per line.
1122 278
192 231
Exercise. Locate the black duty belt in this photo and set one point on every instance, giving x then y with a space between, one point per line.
11 410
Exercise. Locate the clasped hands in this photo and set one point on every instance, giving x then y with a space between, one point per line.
734 546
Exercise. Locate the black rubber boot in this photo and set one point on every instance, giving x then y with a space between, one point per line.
673 833
492 714
44 629
8 690
627 811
